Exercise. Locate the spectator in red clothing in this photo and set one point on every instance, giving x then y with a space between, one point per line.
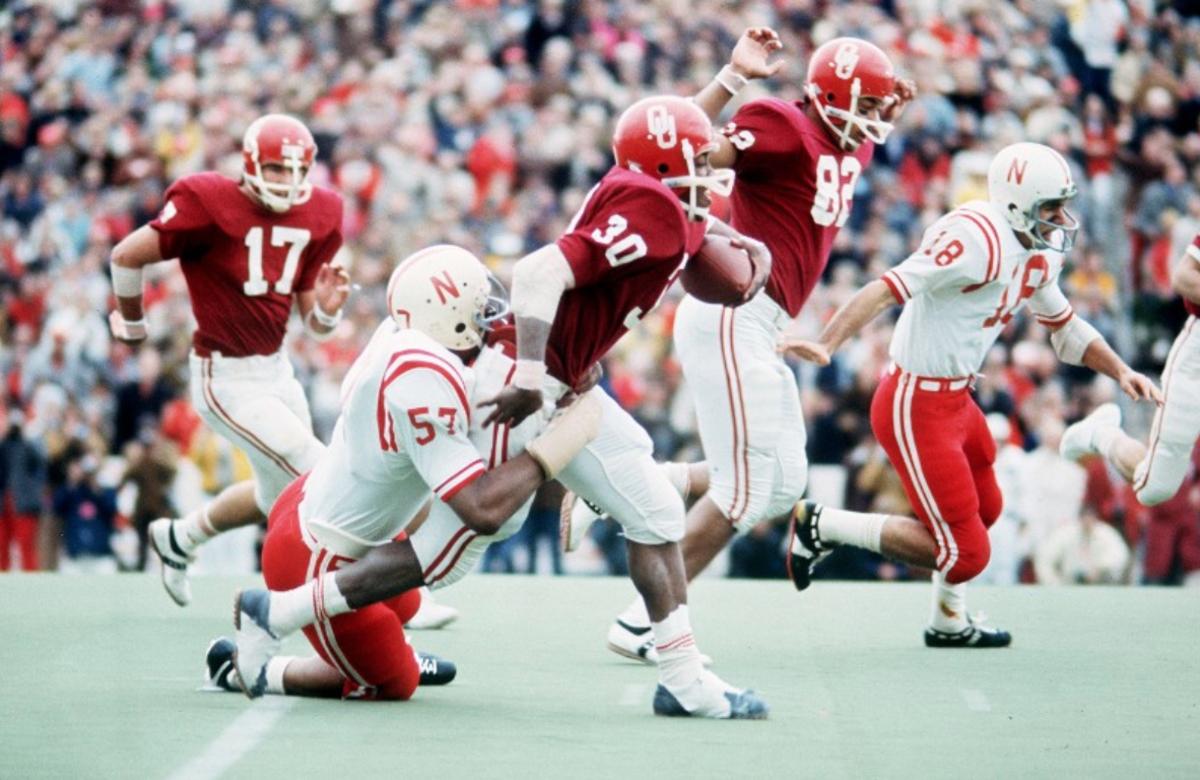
22 494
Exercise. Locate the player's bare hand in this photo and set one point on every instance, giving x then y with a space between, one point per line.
812 351
760 258
332 288
513 404
1140 388
752 52
126 331
903 94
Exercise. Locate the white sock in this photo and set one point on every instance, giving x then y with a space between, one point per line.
194 530
679 475
635 614
949 605
318 599
1103 440
857 529
275 669
679 662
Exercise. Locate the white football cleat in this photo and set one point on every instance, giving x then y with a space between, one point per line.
256 643
709 697
1079 439
174 560
431 615
637 643
575 518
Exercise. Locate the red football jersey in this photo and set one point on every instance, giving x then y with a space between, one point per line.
243 262
625 246
1193 253
793 191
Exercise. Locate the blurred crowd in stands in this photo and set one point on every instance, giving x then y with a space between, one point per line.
483 123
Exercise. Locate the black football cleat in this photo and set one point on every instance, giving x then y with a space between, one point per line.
971 636
805 548
435 670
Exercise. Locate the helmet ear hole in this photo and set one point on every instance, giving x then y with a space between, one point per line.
663 168
830 97
460 327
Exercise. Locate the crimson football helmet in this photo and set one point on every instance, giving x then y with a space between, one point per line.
842 72
282 140
662 137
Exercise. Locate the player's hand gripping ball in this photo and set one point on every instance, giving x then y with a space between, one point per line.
719 273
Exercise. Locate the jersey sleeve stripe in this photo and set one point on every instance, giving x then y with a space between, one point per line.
460 479
1058 319
992 240
897 286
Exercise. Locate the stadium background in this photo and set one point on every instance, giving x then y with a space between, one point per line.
483 123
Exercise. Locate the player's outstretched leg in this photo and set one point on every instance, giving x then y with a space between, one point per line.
806 548
256 643
1080 439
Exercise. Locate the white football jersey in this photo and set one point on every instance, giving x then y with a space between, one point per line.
964 283
402 436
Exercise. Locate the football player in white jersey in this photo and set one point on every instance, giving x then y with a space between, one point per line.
402 438
975 268
1158 468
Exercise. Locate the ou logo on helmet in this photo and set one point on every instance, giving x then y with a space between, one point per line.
661 124
845 60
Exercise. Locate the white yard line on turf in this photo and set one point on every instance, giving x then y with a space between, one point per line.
239 738
976 700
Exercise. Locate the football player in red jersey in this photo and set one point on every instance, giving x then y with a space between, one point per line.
248 250
573 299
797 164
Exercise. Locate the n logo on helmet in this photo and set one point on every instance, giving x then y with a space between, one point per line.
444 286
661 124
1016 170
845 60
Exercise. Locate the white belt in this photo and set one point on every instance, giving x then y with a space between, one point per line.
933 384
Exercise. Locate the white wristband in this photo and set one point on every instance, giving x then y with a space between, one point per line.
529 374
328 320
731 80
126 282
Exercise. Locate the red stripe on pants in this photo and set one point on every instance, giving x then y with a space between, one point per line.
943 453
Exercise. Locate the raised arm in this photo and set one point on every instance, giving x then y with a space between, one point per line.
749 60
539 281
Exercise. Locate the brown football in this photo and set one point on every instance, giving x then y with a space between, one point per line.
719 272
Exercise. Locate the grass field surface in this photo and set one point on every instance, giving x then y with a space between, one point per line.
101 679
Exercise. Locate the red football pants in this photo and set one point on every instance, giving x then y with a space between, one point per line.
21 529
939 443
367 645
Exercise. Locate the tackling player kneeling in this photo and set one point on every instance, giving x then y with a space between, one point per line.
402 438
976 267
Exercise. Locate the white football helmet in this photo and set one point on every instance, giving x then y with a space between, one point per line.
447 294
1021 178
